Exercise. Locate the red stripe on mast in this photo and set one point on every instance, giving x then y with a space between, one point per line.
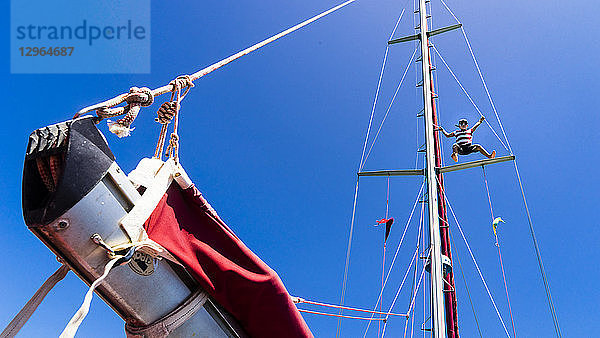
449 289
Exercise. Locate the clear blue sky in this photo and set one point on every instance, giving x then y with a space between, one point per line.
274 141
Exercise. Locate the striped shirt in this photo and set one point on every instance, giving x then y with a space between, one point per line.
464 137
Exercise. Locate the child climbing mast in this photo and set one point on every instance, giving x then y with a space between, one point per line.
464 140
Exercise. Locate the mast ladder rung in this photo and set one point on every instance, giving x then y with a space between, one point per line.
452 289
421 113
444 226
419 59
420 84
416 11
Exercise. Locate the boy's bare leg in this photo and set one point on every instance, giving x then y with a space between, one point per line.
484 152
454 153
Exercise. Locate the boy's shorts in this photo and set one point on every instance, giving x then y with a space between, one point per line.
465 149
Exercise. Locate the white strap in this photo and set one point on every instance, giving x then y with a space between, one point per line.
79 316
133 222
23 316
164 326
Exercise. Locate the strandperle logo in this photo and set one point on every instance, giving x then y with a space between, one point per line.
90 37
82 32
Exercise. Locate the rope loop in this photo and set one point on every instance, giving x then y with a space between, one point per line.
142 96
137 98
173 147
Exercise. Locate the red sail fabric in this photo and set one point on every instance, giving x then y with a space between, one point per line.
186 225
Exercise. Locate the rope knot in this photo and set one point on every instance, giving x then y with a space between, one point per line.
182 81
140 96
166 112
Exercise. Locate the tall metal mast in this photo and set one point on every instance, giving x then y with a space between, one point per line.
443 295
435 254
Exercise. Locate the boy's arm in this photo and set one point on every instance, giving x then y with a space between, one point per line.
447 134
478 123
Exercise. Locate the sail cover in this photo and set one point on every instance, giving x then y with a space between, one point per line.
185 224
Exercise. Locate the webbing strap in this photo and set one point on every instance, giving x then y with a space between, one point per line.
23 316
79 316
167 324
133 222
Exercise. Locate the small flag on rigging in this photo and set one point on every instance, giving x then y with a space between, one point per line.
388 226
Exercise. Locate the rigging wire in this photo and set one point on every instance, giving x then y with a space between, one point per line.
299 300
387 48
480 75
468 96
487 189
362 159
336 315
387 208
474 261
408 270
465 281
414 288
415 260
412 302
398 249
529 220
390 105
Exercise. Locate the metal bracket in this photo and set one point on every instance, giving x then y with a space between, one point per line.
473 164
443 30
406 172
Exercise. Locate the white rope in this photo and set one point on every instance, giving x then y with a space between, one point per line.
390 105
79 316
169 88
468 96
475 262
27 311
396 253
